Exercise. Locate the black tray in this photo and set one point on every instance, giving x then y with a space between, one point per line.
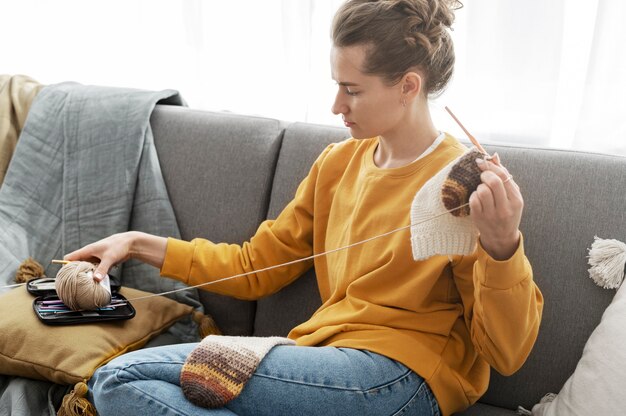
62 317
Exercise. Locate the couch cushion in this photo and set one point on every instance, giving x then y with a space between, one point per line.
68 354
294 304
569 198
218 169
597 385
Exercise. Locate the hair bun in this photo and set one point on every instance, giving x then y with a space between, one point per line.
428 21
402 35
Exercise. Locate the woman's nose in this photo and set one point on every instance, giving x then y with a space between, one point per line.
339 107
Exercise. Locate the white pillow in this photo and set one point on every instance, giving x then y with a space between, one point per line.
598 385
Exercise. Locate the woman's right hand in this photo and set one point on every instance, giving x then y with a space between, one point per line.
118 248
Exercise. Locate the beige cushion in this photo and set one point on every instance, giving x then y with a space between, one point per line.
597 385
69 354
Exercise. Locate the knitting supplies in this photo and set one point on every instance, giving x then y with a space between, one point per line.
469 135
218 368
607 259
445 234
77 288
28 270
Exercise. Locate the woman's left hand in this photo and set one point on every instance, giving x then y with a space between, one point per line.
496 209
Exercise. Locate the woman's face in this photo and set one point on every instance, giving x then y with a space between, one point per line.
368 106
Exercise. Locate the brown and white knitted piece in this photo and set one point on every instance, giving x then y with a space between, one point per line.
217 370
463 179
451 187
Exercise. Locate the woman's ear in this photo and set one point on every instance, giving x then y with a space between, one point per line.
411 85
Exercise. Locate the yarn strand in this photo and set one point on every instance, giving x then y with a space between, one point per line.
289 263
15 285
311 257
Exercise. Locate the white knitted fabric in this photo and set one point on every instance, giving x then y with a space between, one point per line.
444 235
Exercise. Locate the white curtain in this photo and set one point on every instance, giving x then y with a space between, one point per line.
547 73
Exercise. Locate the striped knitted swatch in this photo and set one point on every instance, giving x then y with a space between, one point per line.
433 232
217 370
463 179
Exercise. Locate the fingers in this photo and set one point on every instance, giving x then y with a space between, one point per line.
498 196
495 159
475 204
492 189
83 254
93 254
496 208
101 271
494 165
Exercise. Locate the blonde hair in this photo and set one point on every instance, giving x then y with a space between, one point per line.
400 35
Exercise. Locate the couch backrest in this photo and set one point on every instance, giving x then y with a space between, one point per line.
569 197
218 169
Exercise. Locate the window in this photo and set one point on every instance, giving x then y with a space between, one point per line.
547 73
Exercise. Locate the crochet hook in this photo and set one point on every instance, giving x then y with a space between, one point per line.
472 138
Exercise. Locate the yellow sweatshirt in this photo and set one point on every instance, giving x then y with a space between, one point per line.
446 318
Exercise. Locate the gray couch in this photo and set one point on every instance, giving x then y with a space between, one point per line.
226 173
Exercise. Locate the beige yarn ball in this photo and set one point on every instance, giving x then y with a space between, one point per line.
78 290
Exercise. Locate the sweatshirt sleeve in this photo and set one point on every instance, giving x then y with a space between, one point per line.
286 239
502 307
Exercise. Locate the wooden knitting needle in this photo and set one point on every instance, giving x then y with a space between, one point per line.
472 138
60 262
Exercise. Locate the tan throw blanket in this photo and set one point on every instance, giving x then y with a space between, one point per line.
16 95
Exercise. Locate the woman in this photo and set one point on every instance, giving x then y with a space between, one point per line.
393 336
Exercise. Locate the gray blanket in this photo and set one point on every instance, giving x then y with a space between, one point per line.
85 167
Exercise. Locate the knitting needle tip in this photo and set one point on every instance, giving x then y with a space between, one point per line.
472 138
60 261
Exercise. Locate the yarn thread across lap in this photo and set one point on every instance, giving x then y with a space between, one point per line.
78 290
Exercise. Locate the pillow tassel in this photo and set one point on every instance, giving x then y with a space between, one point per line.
75 403
29 269
206 325
607 259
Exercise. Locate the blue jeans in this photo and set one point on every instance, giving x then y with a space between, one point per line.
289 381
